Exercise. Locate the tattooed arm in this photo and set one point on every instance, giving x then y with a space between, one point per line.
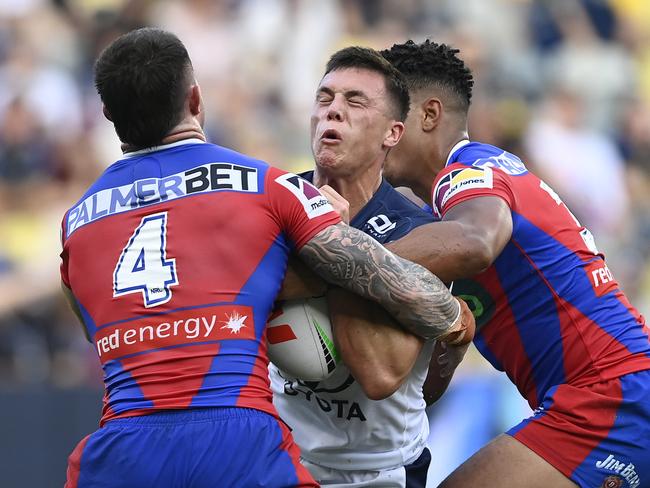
347 257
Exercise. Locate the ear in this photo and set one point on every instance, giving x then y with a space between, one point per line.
431 113
394 134
107 114
195 101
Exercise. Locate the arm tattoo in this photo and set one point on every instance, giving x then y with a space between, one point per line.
347 257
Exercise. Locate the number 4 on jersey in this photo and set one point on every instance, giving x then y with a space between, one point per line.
143 265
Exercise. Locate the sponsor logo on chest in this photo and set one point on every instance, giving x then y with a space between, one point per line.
378 226
339 408
148 191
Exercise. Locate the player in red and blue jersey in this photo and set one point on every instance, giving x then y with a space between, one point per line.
548 310
172 260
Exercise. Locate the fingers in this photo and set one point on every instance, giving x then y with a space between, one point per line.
451 358
340 204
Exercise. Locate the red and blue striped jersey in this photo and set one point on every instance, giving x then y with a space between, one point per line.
548 310
175 256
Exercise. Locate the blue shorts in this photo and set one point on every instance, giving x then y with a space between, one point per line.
212 447
597 435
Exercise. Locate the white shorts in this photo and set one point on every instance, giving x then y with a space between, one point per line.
411 476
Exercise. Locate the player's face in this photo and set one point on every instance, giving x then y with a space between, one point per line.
351 125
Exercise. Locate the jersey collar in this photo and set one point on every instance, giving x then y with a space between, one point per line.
455 149
192 140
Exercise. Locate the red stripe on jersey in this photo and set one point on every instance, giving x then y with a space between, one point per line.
583 338
515 360
172 377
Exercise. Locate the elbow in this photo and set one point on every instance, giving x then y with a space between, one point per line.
381 387
479 256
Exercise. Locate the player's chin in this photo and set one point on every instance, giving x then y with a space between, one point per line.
327 158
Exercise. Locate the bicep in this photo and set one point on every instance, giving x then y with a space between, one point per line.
465 243
487 219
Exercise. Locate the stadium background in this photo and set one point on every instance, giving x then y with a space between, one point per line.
564 83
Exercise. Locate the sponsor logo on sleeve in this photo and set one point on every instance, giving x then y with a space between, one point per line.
457 181
506 162
314 203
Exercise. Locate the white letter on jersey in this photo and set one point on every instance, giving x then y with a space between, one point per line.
143 265
586 235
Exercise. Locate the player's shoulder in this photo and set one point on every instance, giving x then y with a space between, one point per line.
474 168
480 155
395 202
389 215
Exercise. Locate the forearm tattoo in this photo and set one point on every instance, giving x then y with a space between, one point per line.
347 257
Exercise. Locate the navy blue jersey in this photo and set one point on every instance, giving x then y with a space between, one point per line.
388 215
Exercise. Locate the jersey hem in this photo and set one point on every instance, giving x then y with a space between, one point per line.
352 461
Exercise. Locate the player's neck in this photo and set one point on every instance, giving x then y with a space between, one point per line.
357 189
446 148
434 162
183 131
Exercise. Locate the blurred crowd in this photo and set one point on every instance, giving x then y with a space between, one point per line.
563 83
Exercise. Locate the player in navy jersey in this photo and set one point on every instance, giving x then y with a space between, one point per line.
548 310
172 260
347 437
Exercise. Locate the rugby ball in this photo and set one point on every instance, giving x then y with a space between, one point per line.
300 340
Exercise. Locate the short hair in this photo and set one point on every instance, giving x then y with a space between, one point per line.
369 59
430 64
141 78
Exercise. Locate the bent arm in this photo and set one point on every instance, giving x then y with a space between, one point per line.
467 241
378 352
347 257
75 308
300 282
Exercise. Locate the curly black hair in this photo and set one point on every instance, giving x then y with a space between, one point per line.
431 64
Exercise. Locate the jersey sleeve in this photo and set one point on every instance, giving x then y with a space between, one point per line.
457 183
300 208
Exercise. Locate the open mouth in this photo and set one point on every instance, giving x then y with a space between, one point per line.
331 135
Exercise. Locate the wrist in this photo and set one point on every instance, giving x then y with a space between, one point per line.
462 329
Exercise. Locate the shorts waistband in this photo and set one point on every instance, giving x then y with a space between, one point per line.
189 415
